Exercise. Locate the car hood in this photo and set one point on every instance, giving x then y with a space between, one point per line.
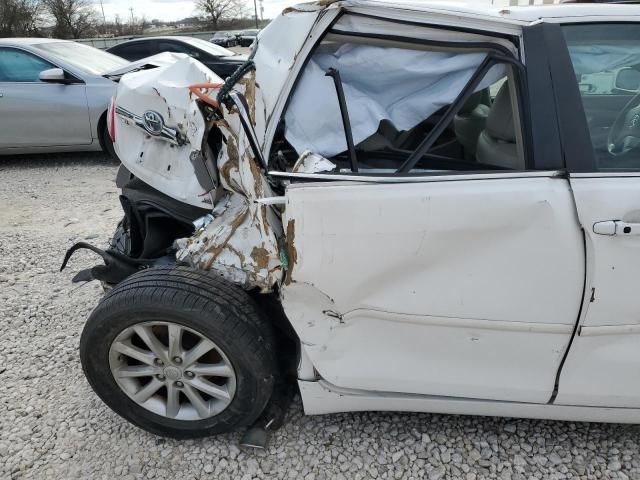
159 60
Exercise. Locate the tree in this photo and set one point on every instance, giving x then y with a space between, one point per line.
19 18
136 26
73 18
216 10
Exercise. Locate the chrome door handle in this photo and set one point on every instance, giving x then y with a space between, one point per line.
616 227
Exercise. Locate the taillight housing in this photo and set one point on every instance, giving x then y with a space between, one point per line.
111 119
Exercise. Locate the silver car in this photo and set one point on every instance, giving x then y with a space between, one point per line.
54 95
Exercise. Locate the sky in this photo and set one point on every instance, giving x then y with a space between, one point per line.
176 9
168 10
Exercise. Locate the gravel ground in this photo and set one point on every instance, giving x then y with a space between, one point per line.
53 426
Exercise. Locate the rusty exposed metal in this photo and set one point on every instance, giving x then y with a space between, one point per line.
242 242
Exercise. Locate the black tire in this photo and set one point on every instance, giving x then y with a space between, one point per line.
105 138
200 301
121 240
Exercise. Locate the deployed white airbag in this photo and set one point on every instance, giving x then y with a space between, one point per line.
404 86
602 58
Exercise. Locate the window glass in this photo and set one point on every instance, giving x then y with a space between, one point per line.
83 57
133 51
20 66
396 99
174 47
606 60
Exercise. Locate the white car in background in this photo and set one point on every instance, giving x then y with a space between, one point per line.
394 206
54 94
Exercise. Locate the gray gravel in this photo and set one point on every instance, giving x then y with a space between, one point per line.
53 426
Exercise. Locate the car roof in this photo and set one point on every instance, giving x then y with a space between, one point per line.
477 10
180 38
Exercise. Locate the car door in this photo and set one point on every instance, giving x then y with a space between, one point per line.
603 365
35 113
452 281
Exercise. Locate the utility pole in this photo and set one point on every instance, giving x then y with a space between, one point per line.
131 10
104 19
255 7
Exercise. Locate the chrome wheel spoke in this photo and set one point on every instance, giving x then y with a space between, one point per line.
173 401
147 391
135 371
212 369
203 346
134 352
151 341
196 400
209 388
175 340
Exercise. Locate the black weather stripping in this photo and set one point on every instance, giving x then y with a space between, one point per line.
353 158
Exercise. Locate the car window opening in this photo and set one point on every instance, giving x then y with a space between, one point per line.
404 108
606 61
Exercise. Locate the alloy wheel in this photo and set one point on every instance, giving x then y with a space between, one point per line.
172 370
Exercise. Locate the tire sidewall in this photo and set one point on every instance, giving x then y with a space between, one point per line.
107 144
252 379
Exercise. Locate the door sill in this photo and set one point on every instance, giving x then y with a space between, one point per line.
321 397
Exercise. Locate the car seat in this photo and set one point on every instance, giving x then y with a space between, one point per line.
497 144
469 123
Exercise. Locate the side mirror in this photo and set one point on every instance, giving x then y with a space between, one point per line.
53 75
628 79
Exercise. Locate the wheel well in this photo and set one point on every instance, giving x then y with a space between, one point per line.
288 343
101 124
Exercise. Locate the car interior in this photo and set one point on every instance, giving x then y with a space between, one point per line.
483 135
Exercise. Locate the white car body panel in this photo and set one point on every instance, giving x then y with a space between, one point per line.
165 90
602 365
438 295
320 397
278 61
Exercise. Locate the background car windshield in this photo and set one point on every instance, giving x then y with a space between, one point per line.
83 57
210 48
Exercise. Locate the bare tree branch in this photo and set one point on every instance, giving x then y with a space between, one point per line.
216 10
73 18
19 18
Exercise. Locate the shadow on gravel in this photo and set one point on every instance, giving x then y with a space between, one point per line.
55 160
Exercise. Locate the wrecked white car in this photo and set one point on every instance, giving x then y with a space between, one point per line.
405 207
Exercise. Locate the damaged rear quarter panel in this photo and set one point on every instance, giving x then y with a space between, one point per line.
245 243
242 242
245 240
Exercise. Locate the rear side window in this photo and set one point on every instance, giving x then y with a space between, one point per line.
175 47
133 51
606 60
20 66
427 110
